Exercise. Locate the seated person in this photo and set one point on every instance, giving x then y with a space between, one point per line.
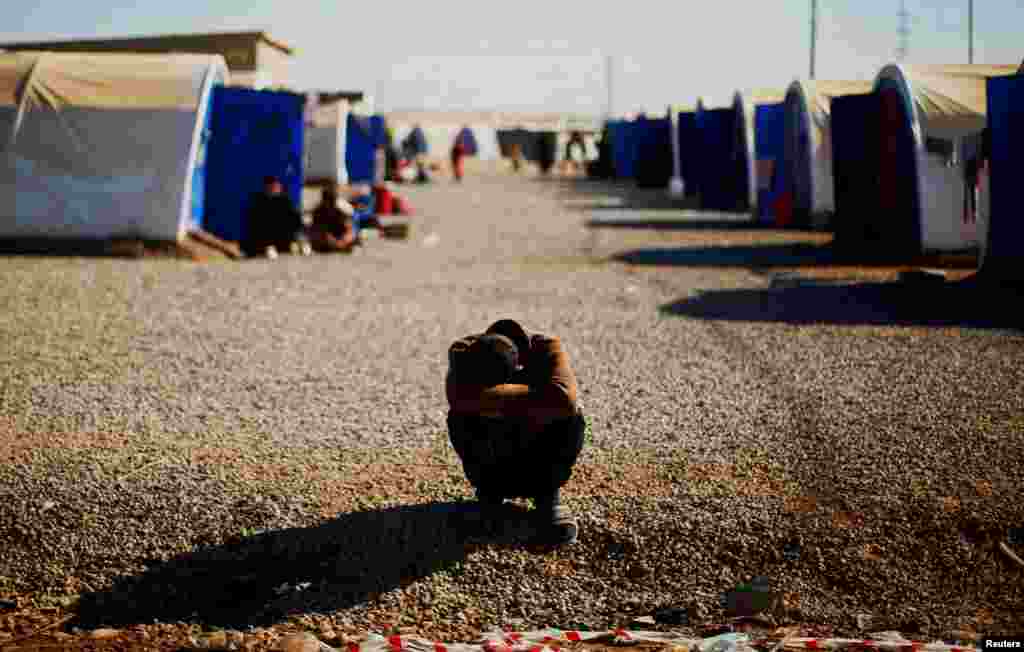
515 424
274 223
332 228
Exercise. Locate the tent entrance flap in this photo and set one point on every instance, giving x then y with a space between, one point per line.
769 122
254 134
898 225
1004 244
855 154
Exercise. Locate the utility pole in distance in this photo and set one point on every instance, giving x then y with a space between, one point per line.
903 31
970 31
814 34
609 73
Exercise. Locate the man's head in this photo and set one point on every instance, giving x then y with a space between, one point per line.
272 185
494 359
511 329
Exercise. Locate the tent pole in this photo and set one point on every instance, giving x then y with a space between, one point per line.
676 186
814 34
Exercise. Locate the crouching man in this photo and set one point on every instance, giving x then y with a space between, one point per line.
514 421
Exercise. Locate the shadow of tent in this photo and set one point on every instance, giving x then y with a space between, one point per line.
259 580
703 221
754 256
625 194
928 304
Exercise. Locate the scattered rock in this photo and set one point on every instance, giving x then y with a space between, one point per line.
863 622
301 643
104 634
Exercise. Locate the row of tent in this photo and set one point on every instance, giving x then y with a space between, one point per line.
893 161
100 146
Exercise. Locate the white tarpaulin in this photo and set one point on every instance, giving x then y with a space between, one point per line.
949 100
809 141
945 103
325 133
102 145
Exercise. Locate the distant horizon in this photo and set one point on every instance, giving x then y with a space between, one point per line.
545 57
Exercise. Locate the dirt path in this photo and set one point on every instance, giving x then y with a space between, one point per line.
175 435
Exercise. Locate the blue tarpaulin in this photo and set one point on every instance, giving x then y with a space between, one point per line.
364 134
770 135
854 128
717 164
623 148
653 166
253 134
1005 247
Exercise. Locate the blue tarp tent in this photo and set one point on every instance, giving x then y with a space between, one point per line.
928 128
1002 248
770 127
623 148
653 166
253 134
855 153
364 135
717 167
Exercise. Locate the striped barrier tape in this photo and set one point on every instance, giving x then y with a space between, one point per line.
550 640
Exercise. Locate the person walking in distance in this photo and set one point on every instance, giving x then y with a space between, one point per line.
458 159
515 424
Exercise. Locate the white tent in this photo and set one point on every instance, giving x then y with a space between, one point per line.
942 108
326 131
103 145
808 142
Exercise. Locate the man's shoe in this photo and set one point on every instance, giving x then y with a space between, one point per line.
555 523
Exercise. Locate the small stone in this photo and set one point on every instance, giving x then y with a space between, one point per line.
104 634
329 636
216 641
863 621
299 643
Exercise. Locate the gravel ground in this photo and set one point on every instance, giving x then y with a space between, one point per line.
261 446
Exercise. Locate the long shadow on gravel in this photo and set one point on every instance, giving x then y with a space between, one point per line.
752 256
626 195
922 303
259 580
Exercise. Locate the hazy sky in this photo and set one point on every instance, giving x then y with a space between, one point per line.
550 55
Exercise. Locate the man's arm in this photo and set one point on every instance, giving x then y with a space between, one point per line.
550 393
